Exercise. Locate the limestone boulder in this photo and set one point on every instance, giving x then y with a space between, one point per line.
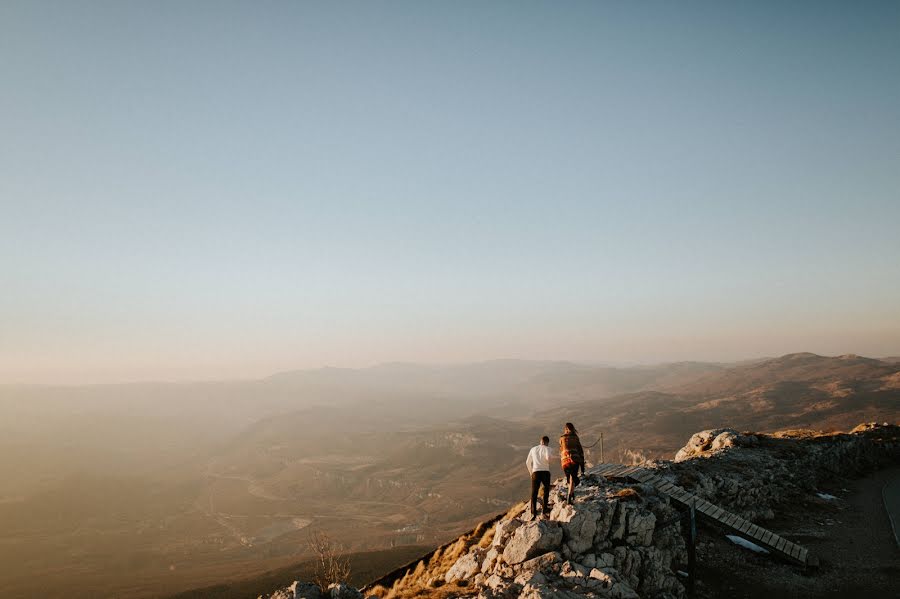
504 530
712 441
467 566
578 525
532 539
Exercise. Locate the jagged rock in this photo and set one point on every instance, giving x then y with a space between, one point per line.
530 578
306 590
342 591
604 576
620 590
467 566
504 530
571 569
578 525
532 539
619 521
628 564
712 441
547 563
640 527
496 587
606 560
297 590
545 591
490 560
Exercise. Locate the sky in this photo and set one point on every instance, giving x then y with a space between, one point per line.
203 190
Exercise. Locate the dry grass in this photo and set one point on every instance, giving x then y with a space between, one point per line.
426 579
627 494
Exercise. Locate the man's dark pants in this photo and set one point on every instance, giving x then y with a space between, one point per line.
541 477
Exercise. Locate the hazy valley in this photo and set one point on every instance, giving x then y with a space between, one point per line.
152 489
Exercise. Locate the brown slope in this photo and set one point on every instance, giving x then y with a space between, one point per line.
797 390
802 367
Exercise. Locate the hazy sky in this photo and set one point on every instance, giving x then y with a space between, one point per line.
222 189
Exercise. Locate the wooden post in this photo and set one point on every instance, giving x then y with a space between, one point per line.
601 448
692 547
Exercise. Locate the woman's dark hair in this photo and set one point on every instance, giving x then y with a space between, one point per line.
570 427
545 440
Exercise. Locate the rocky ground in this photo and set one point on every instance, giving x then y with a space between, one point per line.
626 541
850 533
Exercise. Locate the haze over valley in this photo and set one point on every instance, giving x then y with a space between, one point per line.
152 489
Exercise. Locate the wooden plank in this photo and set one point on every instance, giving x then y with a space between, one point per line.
705 507
756 532
779 546
804 554
718 513
795 552
745 526
680 500
729 519
669 488
679 494
767 536
788 549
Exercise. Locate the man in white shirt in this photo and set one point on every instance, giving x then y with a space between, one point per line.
538 464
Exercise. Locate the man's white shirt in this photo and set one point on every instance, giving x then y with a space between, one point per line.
538 459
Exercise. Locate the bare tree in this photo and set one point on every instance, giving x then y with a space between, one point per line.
634 457
332 566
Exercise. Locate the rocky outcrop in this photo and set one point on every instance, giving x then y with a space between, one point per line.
532 539
624 541
711 442
600 546
757 473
